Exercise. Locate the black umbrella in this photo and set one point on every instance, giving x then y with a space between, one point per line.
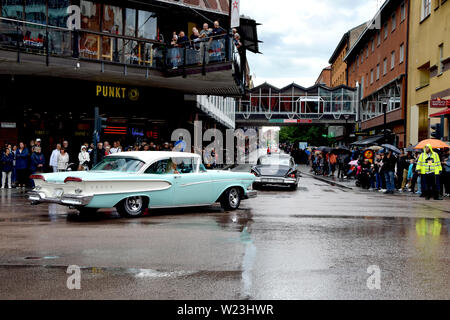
324 149
391 148
341 150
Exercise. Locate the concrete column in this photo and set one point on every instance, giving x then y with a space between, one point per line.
413 129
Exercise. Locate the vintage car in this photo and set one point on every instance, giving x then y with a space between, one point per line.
134 181
276 169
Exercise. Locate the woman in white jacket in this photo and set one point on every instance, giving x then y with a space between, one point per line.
63 160
84 159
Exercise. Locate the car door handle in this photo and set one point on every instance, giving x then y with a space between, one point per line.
177 177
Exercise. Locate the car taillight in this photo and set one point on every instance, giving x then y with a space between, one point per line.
73 179
292 175
37 177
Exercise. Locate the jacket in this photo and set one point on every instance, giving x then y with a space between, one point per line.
36 159
7 162
22 159
429 163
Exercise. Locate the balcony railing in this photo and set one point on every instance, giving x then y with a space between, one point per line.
46 40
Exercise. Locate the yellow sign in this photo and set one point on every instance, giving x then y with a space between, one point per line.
106 91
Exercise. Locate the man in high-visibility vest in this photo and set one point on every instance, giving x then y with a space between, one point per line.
429 166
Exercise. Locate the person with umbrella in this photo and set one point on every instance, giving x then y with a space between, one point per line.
429 167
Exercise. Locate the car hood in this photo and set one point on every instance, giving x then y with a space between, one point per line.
59 177
276 171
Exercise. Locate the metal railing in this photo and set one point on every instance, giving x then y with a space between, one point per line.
46 40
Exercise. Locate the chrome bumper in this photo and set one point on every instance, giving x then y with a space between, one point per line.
251 194
37 197
275 180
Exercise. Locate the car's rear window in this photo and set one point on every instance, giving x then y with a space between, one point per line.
120 164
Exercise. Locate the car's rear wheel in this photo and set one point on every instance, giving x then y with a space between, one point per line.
132 207
293 187
231 199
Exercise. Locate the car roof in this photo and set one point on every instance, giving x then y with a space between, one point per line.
149 156
279 155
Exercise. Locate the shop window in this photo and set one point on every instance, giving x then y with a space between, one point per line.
112 19
147 23
35 11
12 9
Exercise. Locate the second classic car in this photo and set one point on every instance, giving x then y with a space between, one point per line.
277 169
135 181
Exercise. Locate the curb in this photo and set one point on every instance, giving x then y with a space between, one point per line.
328 181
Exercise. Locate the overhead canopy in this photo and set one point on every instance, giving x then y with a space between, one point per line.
368 142
249 34
442 113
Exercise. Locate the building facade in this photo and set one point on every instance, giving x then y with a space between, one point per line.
62 59
338 65
377 65
429 69
325 77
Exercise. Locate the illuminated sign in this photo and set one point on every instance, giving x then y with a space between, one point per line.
114 92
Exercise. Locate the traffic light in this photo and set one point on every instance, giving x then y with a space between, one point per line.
437 131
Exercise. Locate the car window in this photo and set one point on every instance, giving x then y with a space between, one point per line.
121 164
274 161
159 167
184 165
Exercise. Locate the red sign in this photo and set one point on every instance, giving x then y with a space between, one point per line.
439 103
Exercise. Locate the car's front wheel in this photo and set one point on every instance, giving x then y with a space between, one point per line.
231 199
132 207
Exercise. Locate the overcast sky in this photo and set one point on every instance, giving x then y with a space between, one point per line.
300 36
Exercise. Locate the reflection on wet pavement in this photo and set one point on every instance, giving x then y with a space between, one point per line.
314 243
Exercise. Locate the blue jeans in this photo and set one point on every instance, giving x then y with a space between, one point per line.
378 179
390 182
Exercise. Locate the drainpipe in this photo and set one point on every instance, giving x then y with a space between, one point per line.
405 91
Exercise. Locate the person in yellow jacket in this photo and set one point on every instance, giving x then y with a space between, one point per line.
429 167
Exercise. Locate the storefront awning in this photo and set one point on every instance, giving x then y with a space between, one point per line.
368 142
442 113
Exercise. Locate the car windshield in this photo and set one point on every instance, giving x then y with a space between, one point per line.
274 161
120 164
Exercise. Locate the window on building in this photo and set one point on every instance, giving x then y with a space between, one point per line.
112 19
384 66
424 75
12 9
362 56
371 76
402 53
90 15
57 12
130 22
385 27
392 60
426 9
147 23
367 51
441 58
378 38
378 71
35 11
373 44
402 12
394 21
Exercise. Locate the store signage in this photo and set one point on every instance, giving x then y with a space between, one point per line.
137 133
74 18
116 92
8 125
439 103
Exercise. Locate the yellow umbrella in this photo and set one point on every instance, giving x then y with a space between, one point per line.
435 144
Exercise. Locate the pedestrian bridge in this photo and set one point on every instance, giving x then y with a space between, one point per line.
267 105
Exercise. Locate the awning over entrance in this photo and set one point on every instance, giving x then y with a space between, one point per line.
369 141
442 113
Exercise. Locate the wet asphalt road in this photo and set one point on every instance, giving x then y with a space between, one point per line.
314 243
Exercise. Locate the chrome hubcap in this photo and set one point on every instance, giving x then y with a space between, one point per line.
233 198
134 205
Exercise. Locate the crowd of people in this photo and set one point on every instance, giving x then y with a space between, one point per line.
425 172
200 42
18 162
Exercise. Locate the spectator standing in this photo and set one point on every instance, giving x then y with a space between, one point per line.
7 160
389 163
100 152
83 159
429 166
37 161
54 158
63 160
22 165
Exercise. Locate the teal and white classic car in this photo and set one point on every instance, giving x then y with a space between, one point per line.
134 181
